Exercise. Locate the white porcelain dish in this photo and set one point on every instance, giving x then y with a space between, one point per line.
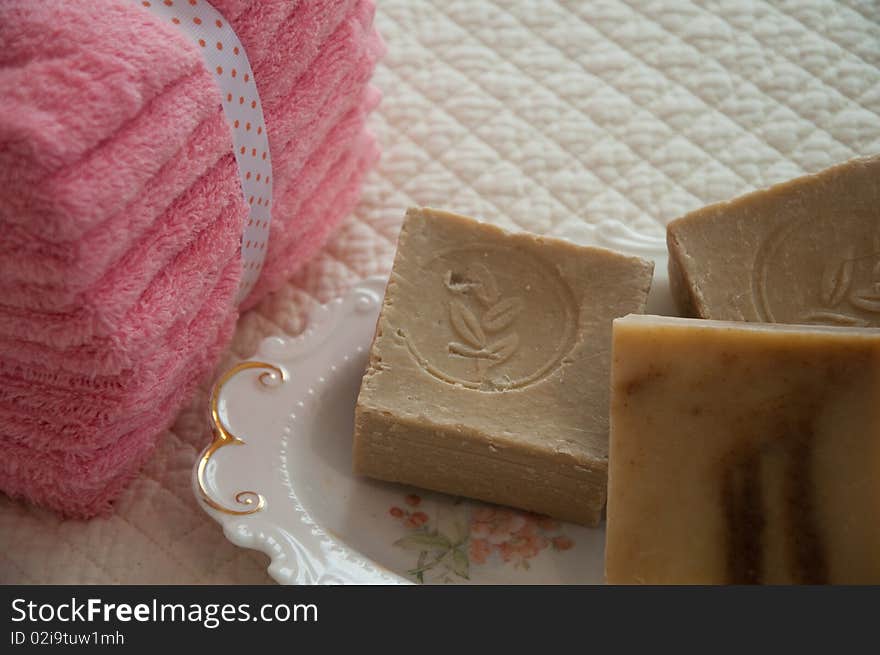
284 483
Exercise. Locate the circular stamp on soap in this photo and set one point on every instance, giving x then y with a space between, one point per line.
823 272
492 318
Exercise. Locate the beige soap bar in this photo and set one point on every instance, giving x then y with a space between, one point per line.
488 375
807 252
743 453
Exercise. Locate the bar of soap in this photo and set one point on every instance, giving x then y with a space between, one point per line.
743 453
489 372
806 251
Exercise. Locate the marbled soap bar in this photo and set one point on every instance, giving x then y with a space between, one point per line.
743 453
489 372
807 252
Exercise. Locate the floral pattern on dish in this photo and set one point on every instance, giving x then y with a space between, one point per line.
452 540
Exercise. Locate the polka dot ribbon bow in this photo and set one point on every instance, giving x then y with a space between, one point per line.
224 54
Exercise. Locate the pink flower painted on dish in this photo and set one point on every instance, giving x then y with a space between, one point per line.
489 533
479 550
516 537
563 543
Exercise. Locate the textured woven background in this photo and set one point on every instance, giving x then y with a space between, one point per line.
528 114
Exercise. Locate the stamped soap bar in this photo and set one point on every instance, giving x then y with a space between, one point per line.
488 375
807 251
743 453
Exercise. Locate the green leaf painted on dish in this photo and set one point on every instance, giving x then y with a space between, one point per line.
460 564
424 542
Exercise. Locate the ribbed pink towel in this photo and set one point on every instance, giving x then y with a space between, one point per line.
143 85
122 214
105 404
83 483
52 277
331 88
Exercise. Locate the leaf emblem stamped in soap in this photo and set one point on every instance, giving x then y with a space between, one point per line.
466 324
502 314
501 319
819 271
486 285
485 351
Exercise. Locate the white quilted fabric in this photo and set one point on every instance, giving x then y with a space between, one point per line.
527 114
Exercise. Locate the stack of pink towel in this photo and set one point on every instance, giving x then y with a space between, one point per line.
122 213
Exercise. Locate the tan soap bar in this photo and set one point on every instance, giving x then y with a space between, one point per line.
743 453
488 375
807 251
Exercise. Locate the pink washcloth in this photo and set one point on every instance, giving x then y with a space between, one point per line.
84 483
285 38
87 408
136 298
326 93
103 402
349 62
315 223
120 199
51 277
57 58
84 432
145 86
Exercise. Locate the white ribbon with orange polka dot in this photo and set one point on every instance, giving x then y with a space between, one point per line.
224 55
